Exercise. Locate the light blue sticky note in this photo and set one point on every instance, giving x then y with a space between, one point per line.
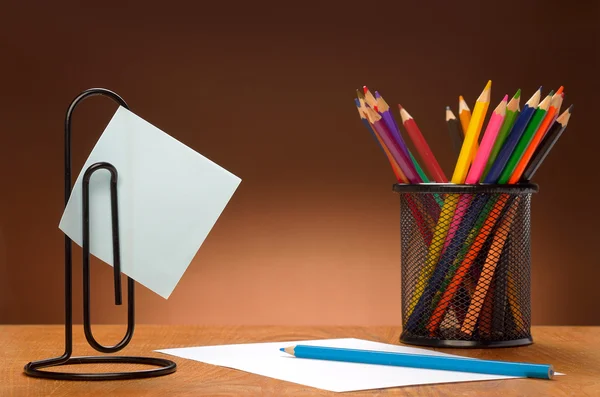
169 198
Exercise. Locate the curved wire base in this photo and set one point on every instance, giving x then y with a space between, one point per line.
165 367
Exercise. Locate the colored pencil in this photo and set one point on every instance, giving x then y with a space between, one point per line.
464 113
449 207
422 147
513 138
424 221
396 151
369 98
400 177
384 109
489 137
512 111
456 134
537 138
547 144
471 135
526 138
447 363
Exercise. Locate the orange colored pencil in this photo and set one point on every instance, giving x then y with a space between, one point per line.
555 105
464 114
487 274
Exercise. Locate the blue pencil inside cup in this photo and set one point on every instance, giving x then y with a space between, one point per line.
466 264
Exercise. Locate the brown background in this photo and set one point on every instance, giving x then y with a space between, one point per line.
312 234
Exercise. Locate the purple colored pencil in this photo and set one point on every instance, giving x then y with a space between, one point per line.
384 110
394 147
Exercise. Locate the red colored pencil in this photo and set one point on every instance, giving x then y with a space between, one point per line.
422 147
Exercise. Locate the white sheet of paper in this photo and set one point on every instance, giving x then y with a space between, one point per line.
169 198
265 359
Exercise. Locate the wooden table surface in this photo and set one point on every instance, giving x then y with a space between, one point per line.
572 350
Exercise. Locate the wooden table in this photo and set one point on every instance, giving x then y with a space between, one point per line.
572 350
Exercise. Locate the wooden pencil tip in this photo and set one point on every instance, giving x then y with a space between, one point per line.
505 99
357 102
570 109
365 89
288 350
377 95
560 90
462 105
404 114
360 94
485 94
447 107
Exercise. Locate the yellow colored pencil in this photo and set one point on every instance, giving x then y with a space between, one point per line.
472 135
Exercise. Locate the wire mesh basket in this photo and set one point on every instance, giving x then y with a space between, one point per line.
466 258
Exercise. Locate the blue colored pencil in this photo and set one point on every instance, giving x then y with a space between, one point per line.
513 138
459 364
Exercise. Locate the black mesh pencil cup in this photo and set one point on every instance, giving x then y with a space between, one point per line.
466 258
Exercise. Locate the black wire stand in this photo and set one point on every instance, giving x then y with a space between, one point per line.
34 368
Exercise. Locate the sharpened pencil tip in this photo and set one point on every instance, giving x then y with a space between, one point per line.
359 94
551 93
505 99
488 85
357 101
447 107
365 89
560 90
571 108
540 89
282 349
377 95
517 94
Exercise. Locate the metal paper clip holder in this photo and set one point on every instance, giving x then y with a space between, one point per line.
35 368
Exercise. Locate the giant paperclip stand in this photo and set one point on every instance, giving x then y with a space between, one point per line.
35 368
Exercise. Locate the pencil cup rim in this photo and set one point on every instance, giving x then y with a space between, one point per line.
518 189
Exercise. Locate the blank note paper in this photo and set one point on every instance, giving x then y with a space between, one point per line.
265 359
169 198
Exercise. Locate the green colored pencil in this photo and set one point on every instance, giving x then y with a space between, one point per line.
512 111
526 138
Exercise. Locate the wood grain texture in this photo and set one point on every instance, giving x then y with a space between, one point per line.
572 350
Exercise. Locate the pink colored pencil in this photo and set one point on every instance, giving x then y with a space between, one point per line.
489 137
